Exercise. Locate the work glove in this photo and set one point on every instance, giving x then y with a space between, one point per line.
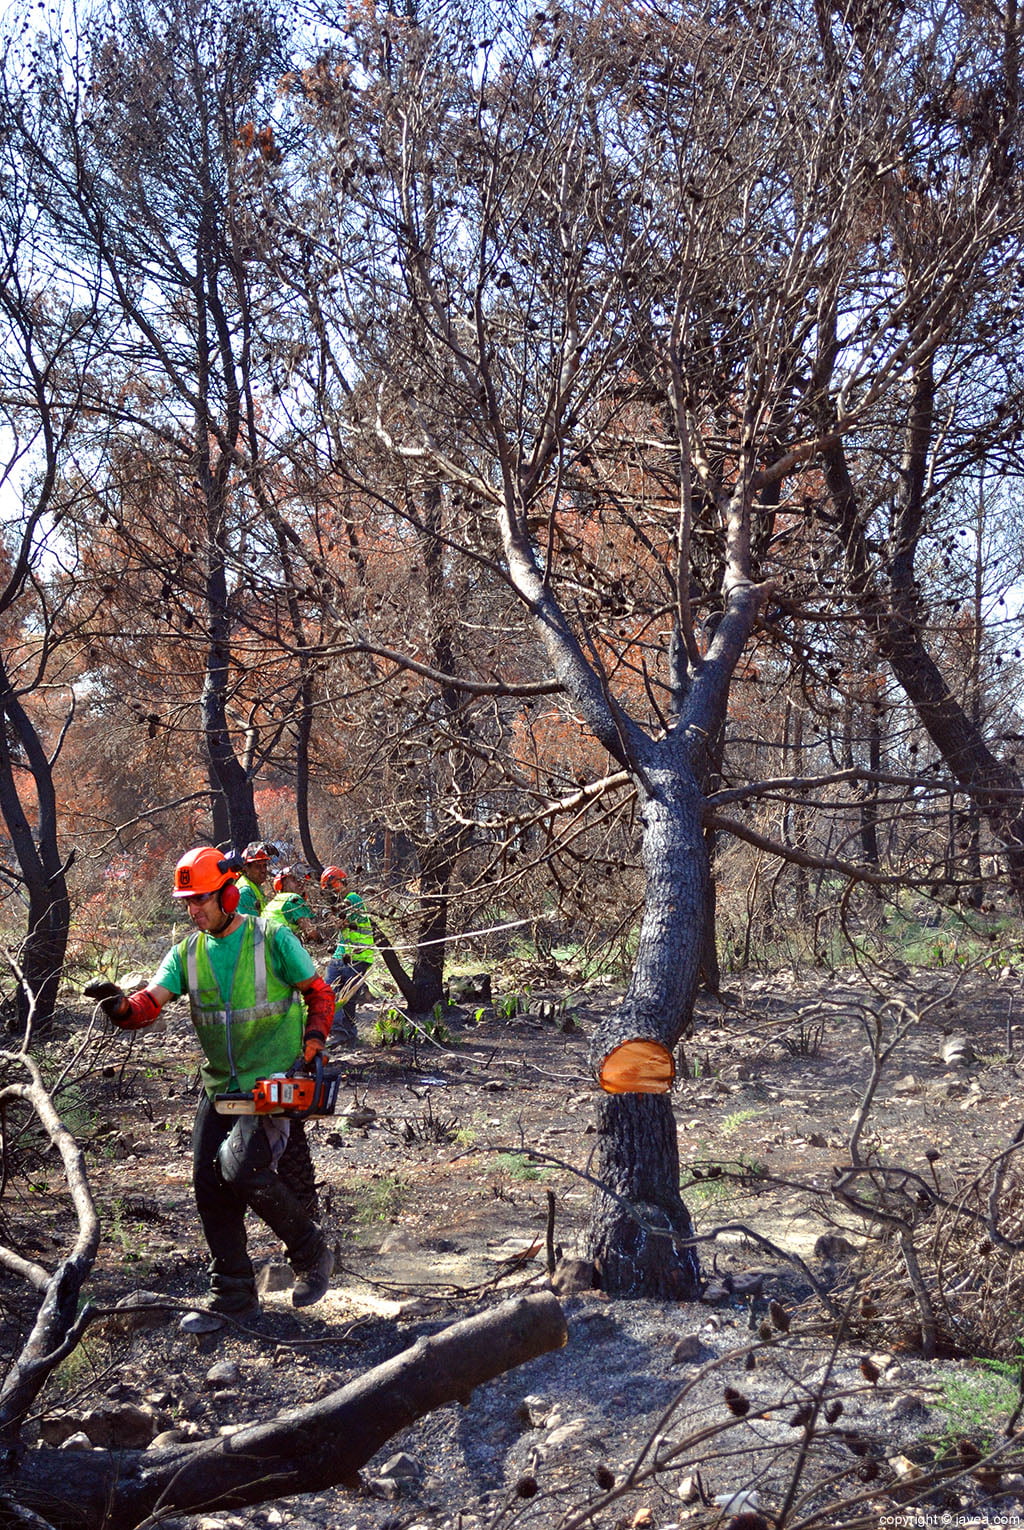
113 1001
312 1048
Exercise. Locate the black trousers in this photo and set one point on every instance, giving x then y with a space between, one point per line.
233 1172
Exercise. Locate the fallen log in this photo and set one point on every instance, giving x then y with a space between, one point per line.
303 1450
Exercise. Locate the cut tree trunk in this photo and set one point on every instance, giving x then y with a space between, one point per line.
639 1222
304 1450
639 1225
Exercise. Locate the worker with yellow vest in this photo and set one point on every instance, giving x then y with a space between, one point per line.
258 1008
353 954
256 859
288 906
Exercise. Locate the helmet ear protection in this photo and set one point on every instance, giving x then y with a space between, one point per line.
229 896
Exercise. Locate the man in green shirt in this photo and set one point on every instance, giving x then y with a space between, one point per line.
289 907
353 954
256 859
258 1008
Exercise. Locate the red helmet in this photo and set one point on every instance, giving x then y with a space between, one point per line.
332 878
300 873
203 870
259 850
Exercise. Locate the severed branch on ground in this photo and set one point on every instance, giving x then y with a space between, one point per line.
58 1324
306 1449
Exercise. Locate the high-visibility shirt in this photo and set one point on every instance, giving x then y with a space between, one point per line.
287 908
251 897
355 941
248 1016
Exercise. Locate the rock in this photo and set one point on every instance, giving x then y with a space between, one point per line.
58 1427
834 1249
225 1373
471 988
402 1467
749 1285
534 1411
689 1489
360 1115
957 1052
689 1348
573 1275
904 1468
275 1276
77 1441
906 1086
744 1501
165 1438
121 1426
567 1436
136 1322
715 1294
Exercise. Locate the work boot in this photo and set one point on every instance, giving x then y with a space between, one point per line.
312 1280
218 1309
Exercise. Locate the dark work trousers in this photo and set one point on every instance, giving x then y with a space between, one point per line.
341 972
232 1171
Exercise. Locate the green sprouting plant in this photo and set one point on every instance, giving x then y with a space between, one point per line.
976 1402
394 1028
738 1118
377 1199
514 1004
518 1166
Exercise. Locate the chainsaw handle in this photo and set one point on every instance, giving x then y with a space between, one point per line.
300 1065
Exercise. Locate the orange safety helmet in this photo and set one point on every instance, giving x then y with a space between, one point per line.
260 850
300 873
333 878
206 870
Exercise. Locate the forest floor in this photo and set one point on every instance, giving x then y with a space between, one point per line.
438 1212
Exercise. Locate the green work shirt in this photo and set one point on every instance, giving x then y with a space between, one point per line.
355 942
287 908
251 897
257 1041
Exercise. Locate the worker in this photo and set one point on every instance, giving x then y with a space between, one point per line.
256 859
258 1008
288 906
353 954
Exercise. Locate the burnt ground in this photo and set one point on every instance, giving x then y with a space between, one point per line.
437 1212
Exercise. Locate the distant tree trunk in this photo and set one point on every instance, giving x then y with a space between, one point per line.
869 806
233 807
893 617
38 855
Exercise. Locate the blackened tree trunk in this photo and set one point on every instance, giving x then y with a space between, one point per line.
639 1225
41 957
894 617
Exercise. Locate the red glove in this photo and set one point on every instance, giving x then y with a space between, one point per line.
142 1010
312 1047
319 1010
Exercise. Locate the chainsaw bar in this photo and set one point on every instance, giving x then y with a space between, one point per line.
284 1095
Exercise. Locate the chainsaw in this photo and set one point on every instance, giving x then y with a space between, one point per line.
284 1094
